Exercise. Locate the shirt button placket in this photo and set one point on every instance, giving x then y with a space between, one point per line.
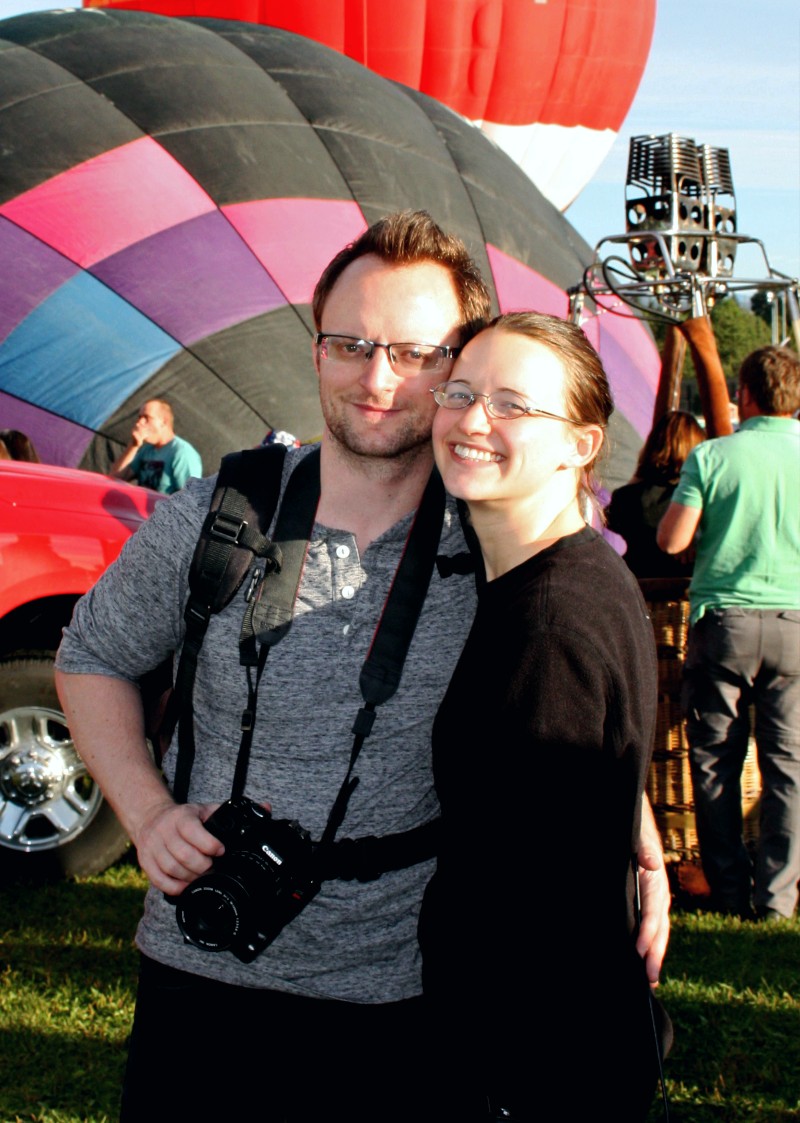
346 578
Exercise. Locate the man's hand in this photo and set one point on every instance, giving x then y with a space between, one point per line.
655 896
139 432
121 468
174 847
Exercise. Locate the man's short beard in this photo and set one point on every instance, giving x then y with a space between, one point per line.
407 444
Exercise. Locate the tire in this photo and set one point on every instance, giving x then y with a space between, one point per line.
54 821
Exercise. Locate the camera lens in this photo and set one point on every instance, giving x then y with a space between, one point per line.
219 908
208 916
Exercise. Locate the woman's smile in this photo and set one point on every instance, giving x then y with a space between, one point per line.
470 452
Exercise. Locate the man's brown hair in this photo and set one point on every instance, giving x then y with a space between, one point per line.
412 238
771 375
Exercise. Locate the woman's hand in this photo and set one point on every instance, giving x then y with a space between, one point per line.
655 897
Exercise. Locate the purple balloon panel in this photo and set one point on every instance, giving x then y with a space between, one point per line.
102 205
192 280
631 362
56 440
30 272
628 352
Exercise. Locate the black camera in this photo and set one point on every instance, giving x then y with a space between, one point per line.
261 882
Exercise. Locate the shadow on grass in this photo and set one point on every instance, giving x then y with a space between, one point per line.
66 996
731 989
38 868
734 1047
46 1075
54 909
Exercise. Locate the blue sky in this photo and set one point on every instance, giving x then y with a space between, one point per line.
726 73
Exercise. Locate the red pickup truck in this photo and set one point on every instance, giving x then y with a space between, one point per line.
59 529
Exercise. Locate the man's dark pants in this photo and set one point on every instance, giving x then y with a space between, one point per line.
739 657
202 1050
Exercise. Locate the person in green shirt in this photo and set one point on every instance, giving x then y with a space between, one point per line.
740 495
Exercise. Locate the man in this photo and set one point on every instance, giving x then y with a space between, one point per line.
155 457
742 492
327 1021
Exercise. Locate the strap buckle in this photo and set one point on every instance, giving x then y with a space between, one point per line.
196 612
223 527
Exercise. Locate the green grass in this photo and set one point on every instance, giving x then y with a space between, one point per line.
67 982
733 992
67 976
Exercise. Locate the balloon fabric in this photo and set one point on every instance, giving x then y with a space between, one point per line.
550 83
170 190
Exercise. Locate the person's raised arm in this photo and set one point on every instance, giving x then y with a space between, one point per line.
121 468
678 527
655 896
106 720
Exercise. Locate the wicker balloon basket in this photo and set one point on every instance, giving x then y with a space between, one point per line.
669 782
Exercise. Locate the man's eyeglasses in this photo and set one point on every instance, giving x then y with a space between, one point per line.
505 404
406 357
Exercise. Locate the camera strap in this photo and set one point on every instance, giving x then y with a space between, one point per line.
267 620
383 667
270 606
234 534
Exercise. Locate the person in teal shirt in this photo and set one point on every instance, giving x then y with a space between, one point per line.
156 457
740 495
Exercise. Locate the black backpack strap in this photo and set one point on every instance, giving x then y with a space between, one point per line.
268 616
235 529
234 532
270 605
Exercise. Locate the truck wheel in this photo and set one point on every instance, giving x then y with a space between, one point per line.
54 821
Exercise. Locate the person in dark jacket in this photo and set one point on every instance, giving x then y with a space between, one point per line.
637 508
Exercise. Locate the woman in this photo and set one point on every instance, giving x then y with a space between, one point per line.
540 746
637 508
